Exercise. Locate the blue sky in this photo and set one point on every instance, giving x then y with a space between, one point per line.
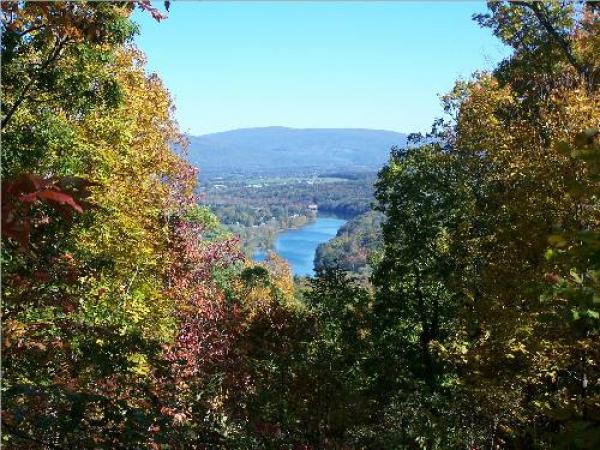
335 64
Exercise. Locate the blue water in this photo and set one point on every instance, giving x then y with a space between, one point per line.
298 246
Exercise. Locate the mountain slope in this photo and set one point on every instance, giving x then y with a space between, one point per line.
280 148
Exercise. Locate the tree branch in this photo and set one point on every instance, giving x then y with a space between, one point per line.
52 58
542 17
31 30
15 432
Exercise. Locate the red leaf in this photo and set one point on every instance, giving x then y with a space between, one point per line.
29 198
64 195
60 198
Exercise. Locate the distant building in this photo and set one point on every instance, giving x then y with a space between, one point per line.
313 207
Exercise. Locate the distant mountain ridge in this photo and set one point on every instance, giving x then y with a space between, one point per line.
272 148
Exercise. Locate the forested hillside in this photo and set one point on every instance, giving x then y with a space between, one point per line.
355 247
279 149
258 208
130 320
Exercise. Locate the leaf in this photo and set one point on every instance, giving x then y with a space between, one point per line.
60 198
557 240
20 193
563 148
576 277
593 314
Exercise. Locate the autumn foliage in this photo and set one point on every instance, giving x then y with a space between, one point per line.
131 318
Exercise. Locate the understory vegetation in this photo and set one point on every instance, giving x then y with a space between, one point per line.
130 319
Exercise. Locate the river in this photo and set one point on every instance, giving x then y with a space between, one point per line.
297 246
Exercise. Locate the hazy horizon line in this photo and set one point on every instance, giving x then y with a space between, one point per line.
297 128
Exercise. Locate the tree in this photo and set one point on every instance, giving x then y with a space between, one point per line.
83 308
420 193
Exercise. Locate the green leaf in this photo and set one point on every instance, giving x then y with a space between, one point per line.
557 240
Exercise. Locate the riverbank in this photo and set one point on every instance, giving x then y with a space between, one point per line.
262 237
298 245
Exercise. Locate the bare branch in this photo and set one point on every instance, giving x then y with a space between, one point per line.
31 30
